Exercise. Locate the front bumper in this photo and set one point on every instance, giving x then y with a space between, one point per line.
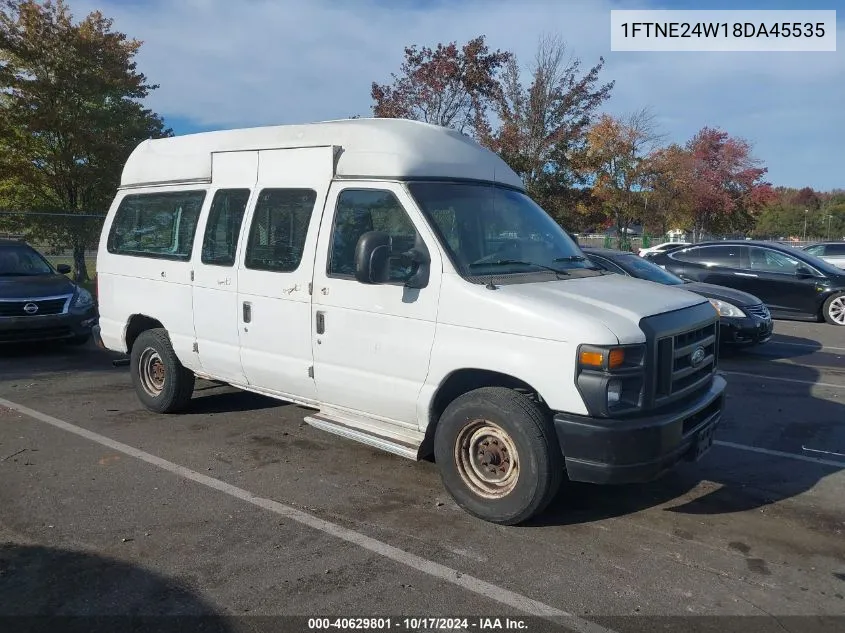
30 329
636 450
742 331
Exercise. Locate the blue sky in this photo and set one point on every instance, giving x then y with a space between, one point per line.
234 63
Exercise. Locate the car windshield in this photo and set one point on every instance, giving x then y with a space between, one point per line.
20 260
644 269
492 230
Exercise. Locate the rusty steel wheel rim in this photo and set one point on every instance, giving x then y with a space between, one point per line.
151 372
487 460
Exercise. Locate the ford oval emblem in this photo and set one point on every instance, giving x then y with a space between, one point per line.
30 308
697 357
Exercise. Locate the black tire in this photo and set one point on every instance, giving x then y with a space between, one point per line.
162 383
539 461
831 309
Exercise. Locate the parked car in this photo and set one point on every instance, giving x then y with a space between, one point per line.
396 277
793 283
38 302
659 248
744 320
831 252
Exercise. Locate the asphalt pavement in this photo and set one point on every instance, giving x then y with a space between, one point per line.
238 508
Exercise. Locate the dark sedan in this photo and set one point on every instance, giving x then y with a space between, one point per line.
744 320
37 301
793 283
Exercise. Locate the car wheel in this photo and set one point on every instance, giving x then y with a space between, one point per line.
498 455
162 383
833 309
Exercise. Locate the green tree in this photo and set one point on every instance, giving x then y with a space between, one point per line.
70 115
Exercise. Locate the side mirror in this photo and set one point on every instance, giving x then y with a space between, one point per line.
803 271
372 258
63 269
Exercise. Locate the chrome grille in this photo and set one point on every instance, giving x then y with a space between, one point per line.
760 310
23 307
685 362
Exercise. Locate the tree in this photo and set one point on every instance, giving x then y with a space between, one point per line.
70 114
448 86
543 125
725 179
617 157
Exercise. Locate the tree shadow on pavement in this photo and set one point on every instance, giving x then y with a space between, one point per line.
50 589
761 412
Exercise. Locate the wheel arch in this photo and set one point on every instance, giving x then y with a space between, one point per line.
461 381
135 325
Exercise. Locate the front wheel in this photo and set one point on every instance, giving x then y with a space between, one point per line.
833 309
162 383
498 455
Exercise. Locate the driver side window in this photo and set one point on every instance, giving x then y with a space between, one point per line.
770 261
360 211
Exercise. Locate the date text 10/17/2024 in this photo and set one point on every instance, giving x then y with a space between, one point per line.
417 623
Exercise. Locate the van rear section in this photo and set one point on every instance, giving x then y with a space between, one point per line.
396 278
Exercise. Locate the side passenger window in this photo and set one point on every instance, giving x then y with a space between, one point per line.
279 228
224 226
363 210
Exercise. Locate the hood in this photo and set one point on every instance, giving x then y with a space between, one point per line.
35 286
723 293
600 310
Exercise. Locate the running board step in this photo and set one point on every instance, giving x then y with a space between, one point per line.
403 448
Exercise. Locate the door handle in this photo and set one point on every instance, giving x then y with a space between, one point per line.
321 322
745 275
247 312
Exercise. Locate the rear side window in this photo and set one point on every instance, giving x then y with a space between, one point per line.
727 256
224 226
279 228
159 225
835 249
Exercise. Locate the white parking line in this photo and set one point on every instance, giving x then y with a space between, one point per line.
492 592
795 380
766 451
815 347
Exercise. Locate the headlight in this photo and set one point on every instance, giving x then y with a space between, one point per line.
726 309
610 378
83 298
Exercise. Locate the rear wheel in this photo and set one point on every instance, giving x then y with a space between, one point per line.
498 455
162 383
833 309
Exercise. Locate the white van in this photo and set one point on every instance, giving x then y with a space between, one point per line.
394 277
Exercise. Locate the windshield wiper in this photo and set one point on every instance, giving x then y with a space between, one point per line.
570 258
518 262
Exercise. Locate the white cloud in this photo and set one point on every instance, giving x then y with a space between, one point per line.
224 63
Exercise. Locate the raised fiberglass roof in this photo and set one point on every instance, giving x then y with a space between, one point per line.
371 147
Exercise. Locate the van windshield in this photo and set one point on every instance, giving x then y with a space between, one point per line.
491 230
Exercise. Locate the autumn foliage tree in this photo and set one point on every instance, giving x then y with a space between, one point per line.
70 114
543 125
617 157
449 85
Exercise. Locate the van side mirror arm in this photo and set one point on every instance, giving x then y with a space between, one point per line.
419 257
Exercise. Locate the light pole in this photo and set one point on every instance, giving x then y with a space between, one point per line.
806 211
829 218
